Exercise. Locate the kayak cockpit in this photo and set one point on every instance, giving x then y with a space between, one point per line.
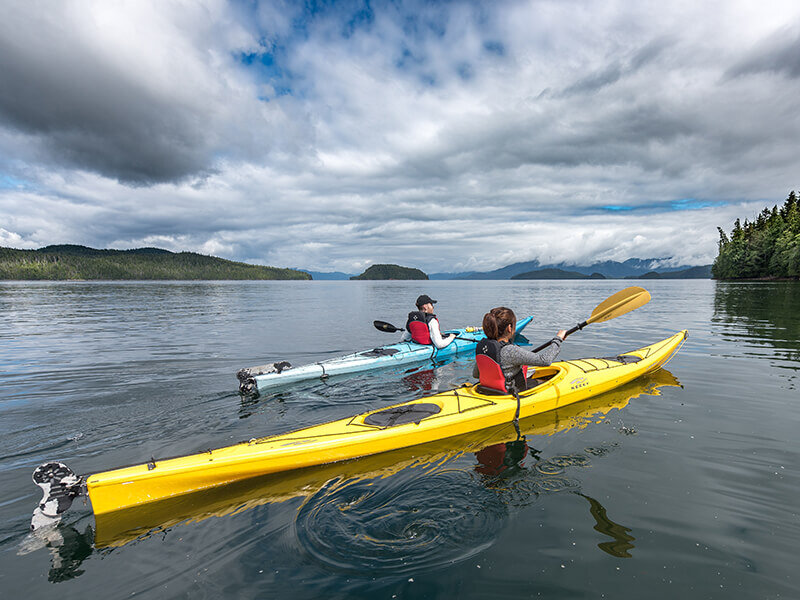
538 378
541 376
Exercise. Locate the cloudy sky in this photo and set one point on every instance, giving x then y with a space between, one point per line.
440 135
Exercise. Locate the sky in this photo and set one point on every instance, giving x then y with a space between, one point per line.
447 136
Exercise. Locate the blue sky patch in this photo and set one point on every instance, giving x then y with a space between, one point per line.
265 65
362 18
9 182
695 204
665 206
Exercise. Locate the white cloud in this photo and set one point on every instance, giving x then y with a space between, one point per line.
14 240
413 139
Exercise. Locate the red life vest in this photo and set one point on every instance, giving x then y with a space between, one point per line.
487 355
417 326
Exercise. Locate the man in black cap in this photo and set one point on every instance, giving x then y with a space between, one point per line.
422 325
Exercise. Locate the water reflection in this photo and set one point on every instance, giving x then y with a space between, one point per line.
420 506
67 546
503 459
401 525
760 314
440 516
420 380
619 533
502 464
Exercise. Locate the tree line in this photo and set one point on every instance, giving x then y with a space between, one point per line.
69 262
768 247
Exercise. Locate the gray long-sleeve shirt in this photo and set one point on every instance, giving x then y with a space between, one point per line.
513 357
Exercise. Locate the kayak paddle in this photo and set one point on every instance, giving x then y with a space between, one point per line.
387 327
612 307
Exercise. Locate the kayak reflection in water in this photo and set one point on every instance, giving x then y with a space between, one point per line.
422 325
420 380
500 461
503 459
500 364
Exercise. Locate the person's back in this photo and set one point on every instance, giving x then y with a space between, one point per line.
499 325
422 326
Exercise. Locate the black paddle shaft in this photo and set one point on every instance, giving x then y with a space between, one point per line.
387 327
569 332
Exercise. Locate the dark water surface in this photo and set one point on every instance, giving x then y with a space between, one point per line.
683 484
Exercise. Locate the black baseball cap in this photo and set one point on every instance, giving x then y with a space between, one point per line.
425 299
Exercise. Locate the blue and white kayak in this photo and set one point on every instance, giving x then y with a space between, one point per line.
257 379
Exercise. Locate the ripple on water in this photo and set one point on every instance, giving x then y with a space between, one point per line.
402 525
557 464
405 523
601 450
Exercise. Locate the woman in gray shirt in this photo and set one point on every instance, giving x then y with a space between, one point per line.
500 324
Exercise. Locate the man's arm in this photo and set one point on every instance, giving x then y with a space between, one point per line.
436 335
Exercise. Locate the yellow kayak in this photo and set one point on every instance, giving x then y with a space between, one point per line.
120 527
444 415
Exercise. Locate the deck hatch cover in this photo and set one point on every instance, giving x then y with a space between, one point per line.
380 352
625 359
400 415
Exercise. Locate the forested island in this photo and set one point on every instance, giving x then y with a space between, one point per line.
391 272
700 272
70 262
552 273
767 248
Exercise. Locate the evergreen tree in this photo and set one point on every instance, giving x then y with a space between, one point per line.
769 246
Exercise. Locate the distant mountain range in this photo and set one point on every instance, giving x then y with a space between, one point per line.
703 272
633 268
610 269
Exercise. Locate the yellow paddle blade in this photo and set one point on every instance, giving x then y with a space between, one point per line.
620 303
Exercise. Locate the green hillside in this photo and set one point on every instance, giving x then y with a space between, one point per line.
391 272
701 272
68 262
552 273
768 247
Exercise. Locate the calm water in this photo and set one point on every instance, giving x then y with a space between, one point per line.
684 484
